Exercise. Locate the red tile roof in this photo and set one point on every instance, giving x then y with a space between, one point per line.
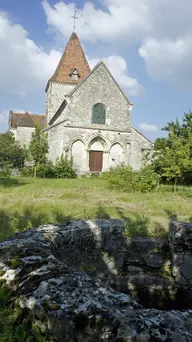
27 120
73 58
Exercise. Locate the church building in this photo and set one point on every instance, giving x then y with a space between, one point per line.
87 116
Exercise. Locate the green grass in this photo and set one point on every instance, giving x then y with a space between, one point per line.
25 203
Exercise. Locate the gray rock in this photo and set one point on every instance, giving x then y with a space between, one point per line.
180 240
69 304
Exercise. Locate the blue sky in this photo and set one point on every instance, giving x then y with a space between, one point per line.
147 47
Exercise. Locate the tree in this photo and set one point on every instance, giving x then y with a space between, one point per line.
160 143
38 148
173 155
175 161
11 154
180 128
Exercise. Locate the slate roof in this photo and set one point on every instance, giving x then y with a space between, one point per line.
27 120
72 58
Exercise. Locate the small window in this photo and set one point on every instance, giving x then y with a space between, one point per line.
98 114
74 75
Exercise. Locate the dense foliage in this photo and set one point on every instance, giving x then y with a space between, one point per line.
11 154
38 148
172 158
125 179
63 168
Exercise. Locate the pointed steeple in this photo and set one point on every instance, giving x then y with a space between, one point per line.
73 66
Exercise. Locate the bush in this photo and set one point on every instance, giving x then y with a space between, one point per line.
125 179
147 179
27 171
5 171
64 168
121 178
46 170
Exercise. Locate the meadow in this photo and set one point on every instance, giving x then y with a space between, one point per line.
28 202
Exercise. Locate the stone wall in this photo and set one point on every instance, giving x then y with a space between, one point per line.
99 87
142 267
139 144
60 277
62 136
55 95
23 135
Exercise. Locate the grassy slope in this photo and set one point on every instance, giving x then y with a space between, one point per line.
26 202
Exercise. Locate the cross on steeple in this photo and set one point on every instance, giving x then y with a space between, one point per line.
75 17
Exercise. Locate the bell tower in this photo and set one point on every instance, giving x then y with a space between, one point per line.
71 70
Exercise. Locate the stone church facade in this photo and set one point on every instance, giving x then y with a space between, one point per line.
87 116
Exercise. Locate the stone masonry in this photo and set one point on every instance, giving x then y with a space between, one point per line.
69 110
60 277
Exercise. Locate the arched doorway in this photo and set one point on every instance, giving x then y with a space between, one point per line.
78 154
96 150
116 155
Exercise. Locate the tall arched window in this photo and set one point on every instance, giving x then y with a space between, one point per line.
98 114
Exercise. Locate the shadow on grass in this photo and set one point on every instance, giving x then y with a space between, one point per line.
171 216
174 217
135 226
101 213
138 226
11 183
14 222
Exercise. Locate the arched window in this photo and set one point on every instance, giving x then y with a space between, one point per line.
98 114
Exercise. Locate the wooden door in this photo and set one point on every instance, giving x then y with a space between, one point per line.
95 161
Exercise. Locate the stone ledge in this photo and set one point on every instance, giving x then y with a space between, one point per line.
71 305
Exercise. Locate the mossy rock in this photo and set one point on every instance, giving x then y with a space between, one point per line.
87 267
2 272
14 263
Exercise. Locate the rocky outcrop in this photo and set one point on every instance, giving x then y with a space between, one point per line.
60 275
180 240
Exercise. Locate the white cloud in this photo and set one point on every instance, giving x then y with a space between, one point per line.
118 68
25 67
121 19
4 114
23 64
169 60
145 127
161 27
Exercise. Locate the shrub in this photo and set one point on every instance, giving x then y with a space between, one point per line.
5 170
121 178
125 179
147 179
64 168
47 170
27 171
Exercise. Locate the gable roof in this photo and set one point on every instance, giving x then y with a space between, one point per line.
92 71
26 120
64 103
72 58
142 135
58 112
